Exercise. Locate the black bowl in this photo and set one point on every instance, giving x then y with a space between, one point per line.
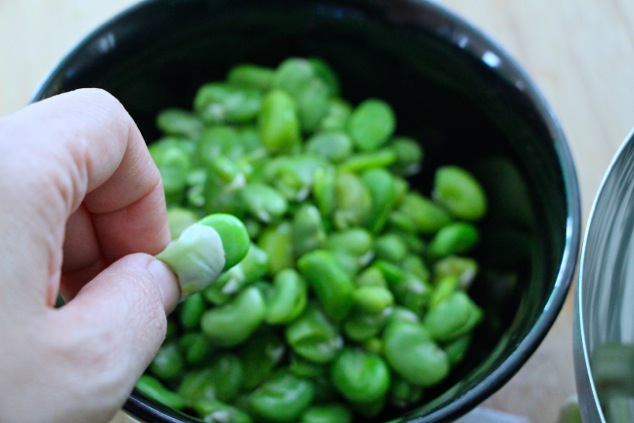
452 88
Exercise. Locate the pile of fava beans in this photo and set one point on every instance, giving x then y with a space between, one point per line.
353 294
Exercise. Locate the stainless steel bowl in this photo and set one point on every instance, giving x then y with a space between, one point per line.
604 315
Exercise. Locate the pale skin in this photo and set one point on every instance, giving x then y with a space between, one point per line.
82 212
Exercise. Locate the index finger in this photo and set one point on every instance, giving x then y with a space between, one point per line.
82 155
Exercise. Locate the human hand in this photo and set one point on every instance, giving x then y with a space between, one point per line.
81 212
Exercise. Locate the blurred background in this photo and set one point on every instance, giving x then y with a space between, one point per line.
580 53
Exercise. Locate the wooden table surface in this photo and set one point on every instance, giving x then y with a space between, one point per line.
579 52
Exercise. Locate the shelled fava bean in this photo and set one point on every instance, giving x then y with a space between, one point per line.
353 294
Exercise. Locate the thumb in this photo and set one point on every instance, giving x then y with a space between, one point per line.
114 326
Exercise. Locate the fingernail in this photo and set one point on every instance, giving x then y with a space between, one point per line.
167 283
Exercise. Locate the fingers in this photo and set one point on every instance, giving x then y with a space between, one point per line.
95 347
76 147
119 318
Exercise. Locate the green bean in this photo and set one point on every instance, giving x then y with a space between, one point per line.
283 398
376 159
253 267
196 348
293 176
261 355
310 85
357 242
464 268
323 189
372 276
452 317
457 348
409 155
313 337
288 298
337 115
371 124
214 411
390 247
455 238
413 355
279 124
421 214
327 413
222 140
444 288
154 389
277 242
332 286
361 377
353 203
403 393
221 102
251 76
191 310
264 202
326 74
173 162
372 299
305 368
415 265
361 326
168 363
293 74
381 186
180 123
335 146
412 292
458 191
308 230
231 324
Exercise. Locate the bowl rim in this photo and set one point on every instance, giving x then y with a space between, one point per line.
486 49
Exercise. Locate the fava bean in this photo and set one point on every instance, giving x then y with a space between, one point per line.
283 398
288 298
313 337
362 377
452 317
455 238
327 413
219 102
279 124
168 363
413 355
458 191
231 324
332 286
260 356
154 389
214 411
371 124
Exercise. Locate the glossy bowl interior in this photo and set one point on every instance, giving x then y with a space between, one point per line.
605 287
452 88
